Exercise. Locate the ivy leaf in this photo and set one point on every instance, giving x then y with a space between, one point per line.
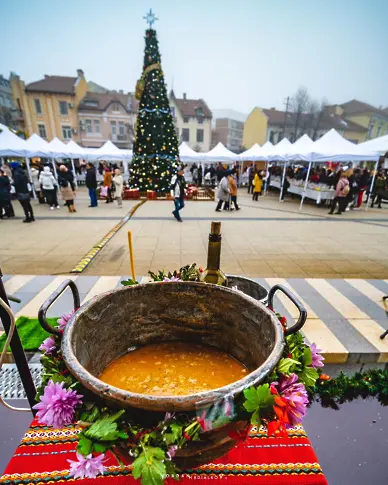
307 356
308 376
284 365
149 466
105 429
85 445
260 397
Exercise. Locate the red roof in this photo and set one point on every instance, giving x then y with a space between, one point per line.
357 107
53 84
101 101
189 107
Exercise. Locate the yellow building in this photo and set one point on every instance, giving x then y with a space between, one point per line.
365 121
255 128
50 106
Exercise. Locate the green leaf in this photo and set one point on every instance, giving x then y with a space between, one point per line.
129 282
90 416
175 434
284 365
149 466
101 447
105 429
85 445
258 398
255 419
308 376
307 356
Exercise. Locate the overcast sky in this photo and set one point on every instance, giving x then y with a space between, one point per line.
233 54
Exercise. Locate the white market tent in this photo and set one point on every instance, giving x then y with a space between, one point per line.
221 154
58 149
38 147
380 144
187 154
253 154
280 151
108 152
302 145
12 145
73 150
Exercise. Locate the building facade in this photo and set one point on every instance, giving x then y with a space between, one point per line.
272 125
50 105
107 116
10 114
228 128
193 122
371 122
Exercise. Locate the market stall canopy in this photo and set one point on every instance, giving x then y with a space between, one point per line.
74 150
334 147
379 145
11 145
303 144
187 154
267 150
280 150
220 154
108 151
253 154
58 148
37 147
3 127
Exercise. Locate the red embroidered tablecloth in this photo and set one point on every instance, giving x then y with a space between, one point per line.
42 455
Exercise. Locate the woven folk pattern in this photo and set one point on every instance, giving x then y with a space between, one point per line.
43 455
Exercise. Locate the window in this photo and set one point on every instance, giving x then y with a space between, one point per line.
370 129
378 132
199 136
42 130
185 119
172 109
114 127
66 132
185 134
200 121
88 124
121 128
97 126
38 107
271 136
63 108
1 100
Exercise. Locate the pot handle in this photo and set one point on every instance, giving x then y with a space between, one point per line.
302 311
50 300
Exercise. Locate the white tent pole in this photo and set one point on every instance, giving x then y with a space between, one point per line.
29 176
305 185
371 185
283 180
55 168
266 178
75 175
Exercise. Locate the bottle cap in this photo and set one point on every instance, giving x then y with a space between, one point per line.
215 228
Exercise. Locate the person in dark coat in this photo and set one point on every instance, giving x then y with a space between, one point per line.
6 208
91 184
22 193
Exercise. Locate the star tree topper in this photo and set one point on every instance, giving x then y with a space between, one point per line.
150 18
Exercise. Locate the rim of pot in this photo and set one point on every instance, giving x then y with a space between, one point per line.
186 402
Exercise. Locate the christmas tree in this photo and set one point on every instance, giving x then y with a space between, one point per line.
155 148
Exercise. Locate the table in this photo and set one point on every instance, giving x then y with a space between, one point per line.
42 456
311 193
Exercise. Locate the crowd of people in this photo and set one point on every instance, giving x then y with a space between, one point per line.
48 185
350 185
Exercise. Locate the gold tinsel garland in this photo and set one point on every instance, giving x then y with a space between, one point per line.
140 85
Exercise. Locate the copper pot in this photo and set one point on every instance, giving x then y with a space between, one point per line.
110 324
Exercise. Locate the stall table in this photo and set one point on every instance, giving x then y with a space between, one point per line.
43 454
317 193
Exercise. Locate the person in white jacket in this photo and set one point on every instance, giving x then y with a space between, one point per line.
118 183
178 184
49 185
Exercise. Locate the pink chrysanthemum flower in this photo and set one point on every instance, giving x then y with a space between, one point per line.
317 357
62 322
173 278
48 346
294 394
87 467
57 405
